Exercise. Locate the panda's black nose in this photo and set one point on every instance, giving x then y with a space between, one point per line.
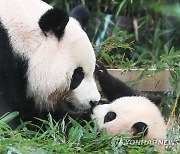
93 103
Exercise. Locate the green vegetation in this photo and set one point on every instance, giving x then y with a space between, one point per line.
80 139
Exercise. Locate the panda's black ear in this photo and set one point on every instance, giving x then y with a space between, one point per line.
55 21
81 14
157 100
139 128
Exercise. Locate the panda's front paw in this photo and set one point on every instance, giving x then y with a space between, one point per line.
99 69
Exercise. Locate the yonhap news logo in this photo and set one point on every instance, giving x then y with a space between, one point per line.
119 141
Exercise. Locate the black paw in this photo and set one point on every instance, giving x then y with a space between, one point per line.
100 69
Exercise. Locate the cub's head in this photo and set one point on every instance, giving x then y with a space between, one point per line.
61 71
133 114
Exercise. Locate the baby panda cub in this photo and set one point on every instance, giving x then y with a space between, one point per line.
126 110
134 115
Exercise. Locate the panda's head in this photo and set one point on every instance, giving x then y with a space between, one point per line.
61 70
131 114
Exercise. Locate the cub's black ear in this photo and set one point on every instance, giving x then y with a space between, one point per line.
157 100
55 21
81 14
139 128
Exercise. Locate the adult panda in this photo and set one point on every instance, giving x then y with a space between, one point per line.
46 60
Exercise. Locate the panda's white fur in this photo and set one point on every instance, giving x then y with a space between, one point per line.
130 110
50 62
20 18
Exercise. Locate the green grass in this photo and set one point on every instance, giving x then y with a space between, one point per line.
79 139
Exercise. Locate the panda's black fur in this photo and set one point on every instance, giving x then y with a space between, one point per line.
12 78
54 20
81 15
114 88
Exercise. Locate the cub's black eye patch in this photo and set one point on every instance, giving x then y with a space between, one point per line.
77 77
109 117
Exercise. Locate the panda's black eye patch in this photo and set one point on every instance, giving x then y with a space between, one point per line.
109 117
77 77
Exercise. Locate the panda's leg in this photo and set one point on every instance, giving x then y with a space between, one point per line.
13 80
4 109
112 87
